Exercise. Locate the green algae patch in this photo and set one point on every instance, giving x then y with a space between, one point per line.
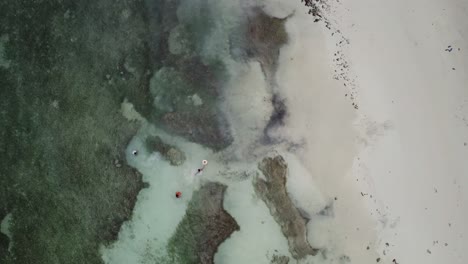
205 226
173 85
171 153
70 66
181 70
267 33
168 88
260 37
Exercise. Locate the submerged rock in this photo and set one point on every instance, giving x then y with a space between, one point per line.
197 119
266 35
171 153
200 127
168 87
205 226
175 156
279 259
273 192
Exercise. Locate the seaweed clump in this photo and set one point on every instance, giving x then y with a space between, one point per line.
63 174
171 153
204 227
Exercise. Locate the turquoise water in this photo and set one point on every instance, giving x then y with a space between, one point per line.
84 84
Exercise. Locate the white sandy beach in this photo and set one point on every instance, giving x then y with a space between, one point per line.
413 107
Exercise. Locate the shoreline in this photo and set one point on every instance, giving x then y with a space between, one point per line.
323 119
412 103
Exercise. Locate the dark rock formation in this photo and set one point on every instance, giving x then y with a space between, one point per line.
279 259
171 153
205 226
273 192
266 35
199 128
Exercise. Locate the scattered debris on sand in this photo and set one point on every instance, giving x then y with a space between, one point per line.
280 259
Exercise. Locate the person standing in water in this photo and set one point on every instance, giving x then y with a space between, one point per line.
178 194
204 163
